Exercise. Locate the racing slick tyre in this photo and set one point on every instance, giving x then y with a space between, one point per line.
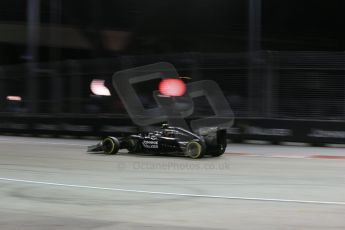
220 151
111 145
194 150
133 146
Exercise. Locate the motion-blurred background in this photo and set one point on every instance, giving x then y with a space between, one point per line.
280 64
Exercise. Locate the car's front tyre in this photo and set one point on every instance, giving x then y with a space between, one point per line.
111 145
133 146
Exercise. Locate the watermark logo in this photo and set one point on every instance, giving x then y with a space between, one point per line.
173 110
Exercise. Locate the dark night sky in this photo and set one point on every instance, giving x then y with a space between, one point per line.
321 23
286 24
203 25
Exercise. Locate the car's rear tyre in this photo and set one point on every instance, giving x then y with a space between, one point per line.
194 150
111 145
220 151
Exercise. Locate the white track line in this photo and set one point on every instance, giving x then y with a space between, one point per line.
175 194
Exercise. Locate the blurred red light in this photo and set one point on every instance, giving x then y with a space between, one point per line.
172 87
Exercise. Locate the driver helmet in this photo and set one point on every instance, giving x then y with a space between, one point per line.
165 126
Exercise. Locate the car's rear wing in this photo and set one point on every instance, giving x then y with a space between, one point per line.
214 136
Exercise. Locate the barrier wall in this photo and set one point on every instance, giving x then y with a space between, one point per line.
273 130
285 96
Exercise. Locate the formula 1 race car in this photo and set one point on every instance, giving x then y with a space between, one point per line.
168 140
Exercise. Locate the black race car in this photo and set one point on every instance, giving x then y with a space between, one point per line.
168 140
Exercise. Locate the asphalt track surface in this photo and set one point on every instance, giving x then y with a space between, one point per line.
55 184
